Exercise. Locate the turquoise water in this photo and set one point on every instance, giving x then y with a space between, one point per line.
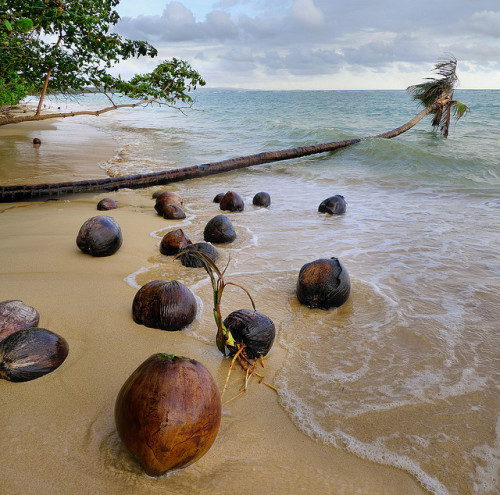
405 373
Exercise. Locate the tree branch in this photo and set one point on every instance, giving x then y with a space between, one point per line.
5 120
47 78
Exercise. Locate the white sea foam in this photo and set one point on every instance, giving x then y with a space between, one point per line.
488 467
131 279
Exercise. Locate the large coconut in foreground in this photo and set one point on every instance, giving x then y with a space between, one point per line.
168 413
323 284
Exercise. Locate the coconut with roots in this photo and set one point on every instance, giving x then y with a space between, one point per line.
247 334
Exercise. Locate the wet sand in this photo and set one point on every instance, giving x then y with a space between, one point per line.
58 433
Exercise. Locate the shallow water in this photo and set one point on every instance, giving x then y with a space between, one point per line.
406 372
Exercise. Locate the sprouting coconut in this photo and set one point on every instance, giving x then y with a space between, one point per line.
247 334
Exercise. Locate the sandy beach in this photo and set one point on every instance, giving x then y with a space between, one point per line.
58 432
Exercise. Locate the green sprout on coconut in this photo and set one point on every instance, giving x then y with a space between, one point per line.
246 334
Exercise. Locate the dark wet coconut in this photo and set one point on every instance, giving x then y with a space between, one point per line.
168 413
15 316
173 242
232 201
219 230
31 353
169 205
262 199
334 205
172 212
169 196
100 236
253 329
107 204
194 261
218 197
323 284
166 305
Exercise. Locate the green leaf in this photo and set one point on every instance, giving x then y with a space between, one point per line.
24 25
459 109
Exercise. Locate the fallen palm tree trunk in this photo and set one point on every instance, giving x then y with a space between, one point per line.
436 95
20 193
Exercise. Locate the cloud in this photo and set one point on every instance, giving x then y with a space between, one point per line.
317 38
486 22
306 12
178 24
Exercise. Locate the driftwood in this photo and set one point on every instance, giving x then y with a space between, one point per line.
21 193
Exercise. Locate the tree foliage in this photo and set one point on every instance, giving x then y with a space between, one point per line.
440 90
60 46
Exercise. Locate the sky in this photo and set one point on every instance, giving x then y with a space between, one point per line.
319 44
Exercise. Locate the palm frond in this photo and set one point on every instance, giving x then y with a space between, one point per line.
459 109
437 92
434 88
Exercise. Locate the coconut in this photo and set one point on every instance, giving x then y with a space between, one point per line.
335 205
166 305
100 236
15 316
219 230
168 413
107 204
173 242
262 199
232 201
323 284
253 329
31 353
194 261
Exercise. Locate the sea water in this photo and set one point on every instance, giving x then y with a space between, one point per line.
406 373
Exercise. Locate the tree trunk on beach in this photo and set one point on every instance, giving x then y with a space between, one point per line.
21 193
436 95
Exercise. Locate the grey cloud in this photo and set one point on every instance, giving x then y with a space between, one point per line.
486 22
219 25
177 23
303 61
325 36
